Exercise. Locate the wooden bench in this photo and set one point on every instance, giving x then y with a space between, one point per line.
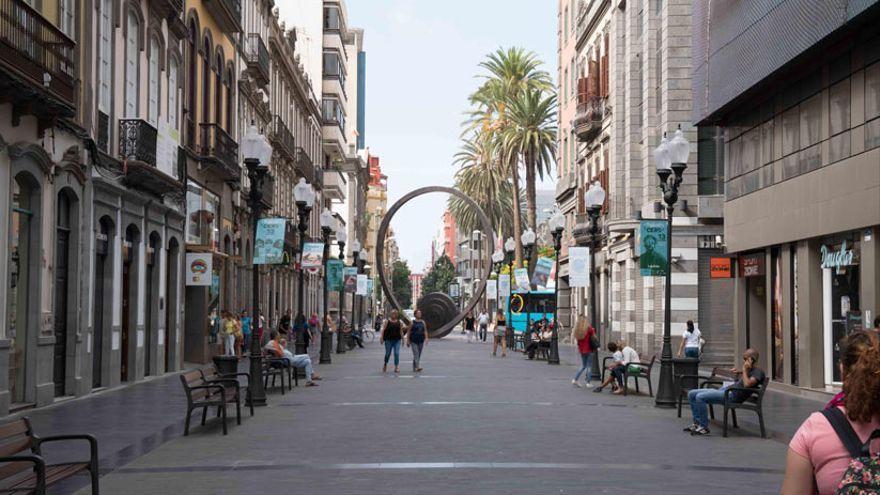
201 394
719 376
211 376
23 468
639 370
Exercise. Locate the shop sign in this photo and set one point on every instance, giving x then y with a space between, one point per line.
720 268
843 257
751 265
199 269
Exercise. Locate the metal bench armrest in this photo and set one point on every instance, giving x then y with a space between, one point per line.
93 443
36 460
748 390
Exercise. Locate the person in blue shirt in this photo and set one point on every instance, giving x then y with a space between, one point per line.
417 337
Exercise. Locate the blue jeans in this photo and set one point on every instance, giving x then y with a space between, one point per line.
700 400
392 345
586 365
300 361
692 352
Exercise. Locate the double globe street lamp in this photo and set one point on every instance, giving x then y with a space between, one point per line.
257 153
328 228
497 263
510 249
557 227
594 200
304 195
670 158
341 237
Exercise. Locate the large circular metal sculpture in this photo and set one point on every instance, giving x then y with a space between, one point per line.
438 309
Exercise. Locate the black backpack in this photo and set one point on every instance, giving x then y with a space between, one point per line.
863 474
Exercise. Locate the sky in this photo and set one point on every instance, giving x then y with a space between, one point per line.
422 58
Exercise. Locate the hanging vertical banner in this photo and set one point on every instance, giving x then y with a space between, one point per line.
198 269
313 255
521 276
503 287
578 267
334 274
369 286
454 291
269 246
654 235
349 278
491 289
542 271
361 289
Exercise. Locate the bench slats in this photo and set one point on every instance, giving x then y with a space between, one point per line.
18 427
13 447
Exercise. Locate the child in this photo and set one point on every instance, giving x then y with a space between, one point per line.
616 362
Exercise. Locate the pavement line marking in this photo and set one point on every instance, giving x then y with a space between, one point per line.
401 466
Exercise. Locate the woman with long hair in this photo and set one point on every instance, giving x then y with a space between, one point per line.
417 338
817 459
391 334
500 333
584 334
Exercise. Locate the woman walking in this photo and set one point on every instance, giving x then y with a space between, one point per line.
417 338
312 333
469 321
585 335
245 332
392 332
500 333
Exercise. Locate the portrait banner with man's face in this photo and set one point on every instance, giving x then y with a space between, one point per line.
269 246
653 246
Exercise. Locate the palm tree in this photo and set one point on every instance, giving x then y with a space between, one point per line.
509 73
531 136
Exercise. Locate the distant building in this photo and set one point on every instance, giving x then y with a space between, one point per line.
416 279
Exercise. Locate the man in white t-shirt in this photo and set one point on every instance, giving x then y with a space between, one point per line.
483 321
690 341
617 362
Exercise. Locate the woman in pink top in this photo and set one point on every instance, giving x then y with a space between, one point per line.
816 456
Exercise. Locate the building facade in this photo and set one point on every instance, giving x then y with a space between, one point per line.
633 85
801 143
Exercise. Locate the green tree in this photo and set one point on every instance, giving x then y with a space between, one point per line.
438 278
401 285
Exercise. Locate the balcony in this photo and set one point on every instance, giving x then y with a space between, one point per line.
588 119
282 138
169 9
334 184
269 192
36 63
219 151
566 185
305 167
227 13
137 150
257 56
581 230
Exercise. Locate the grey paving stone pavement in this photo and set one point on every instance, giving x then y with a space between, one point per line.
468 423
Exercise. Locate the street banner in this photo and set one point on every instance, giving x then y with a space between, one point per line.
349 278
542 271
503 287
521 275
454 290
198 269
334 274
269 247
313 255
369 286
578 267
491 289
361 285
654 235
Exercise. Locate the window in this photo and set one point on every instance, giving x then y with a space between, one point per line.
218 90
203 220
106 55
333 112
66 17
153 103
332 19
206 82
172 93
565 29
872 106
333 67
131 67
230 99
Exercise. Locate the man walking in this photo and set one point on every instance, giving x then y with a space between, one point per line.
483 321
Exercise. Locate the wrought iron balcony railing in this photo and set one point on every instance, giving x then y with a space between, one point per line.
218 147
306 167
257 56
588 119
282 138
137 141
36 53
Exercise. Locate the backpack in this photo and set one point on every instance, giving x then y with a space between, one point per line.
863 474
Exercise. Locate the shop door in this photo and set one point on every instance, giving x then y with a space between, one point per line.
98 328
126 318
62 245
841 312
19 285
152 299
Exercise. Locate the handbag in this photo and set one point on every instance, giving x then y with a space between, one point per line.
594 341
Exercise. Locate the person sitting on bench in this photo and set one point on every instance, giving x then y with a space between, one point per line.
616 363
700 398
534 340
277 347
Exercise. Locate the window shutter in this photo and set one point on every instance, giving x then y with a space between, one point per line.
605 85
593 79
172 94
131 68
153 116
105 55
603 180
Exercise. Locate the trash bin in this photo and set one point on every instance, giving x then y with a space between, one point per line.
226 365
685 366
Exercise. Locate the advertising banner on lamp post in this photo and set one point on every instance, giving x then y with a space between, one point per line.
491 289
349 279
313 255
361 285
334 274
521 276
542 271
269 246
578 267
654 235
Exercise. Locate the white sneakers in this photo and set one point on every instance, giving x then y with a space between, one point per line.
578 385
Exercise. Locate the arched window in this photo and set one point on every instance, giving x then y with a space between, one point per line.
206 83
153 102
106 56
230 99
192 75
218 90
172 93
131 66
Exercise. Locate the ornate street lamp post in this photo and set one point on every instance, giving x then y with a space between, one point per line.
257 153
327 223
510 249
304 194
594 199
341 237
671 161
528 241
557 226
356 255
497 263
